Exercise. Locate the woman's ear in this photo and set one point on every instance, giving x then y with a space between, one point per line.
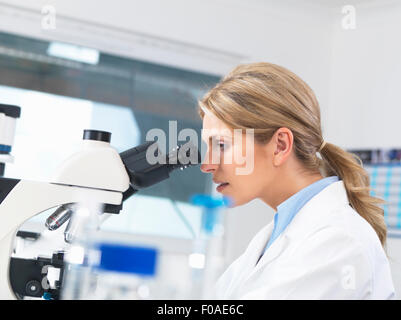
282 140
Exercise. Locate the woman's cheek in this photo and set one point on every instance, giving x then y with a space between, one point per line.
236 155
244 162
228 156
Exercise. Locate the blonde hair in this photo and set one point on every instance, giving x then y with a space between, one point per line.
266 97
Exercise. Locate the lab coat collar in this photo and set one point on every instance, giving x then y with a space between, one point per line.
251 256
315 211
318 209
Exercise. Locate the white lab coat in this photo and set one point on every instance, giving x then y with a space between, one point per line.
328 251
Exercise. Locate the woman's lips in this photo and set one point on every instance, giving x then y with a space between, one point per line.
221 186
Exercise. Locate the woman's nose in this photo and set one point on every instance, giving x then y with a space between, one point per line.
208 168
207 165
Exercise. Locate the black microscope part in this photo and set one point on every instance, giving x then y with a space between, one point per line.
143 174
97 135
27 275
10 110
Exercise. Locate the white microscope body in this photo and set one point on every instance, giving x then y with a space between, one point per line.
96 173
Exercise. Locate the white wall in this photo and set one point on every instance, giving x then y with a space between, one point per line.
364 99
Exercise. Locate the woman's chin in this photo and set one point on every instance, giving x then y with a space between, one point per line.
235 201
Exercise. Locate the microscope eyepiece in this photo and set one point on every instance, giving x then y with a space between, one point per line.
146 165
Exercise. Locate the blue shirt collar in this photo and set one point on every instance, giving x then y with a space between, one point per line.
298 200
287 210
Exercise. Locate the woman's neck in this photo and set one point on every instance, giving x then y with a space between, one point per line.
286 186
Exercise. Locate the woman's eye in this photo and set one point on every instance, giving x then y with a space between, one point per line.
222 146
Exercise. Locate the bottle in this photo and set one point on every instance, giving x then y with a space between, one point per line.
80 257
124 272
206 260
104 269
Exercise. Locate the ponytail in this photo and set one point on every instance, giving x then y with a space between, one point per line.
356 180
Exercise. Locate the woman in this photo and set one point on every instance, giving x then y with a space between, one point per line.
328 233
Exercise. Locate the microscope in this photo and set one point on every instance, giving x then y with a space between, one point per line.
96 172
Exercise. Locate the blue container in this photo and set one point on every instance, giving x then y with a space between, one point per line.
127 259
211 206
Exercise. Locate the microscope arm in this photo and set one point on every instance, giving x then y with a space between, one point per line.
22 200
